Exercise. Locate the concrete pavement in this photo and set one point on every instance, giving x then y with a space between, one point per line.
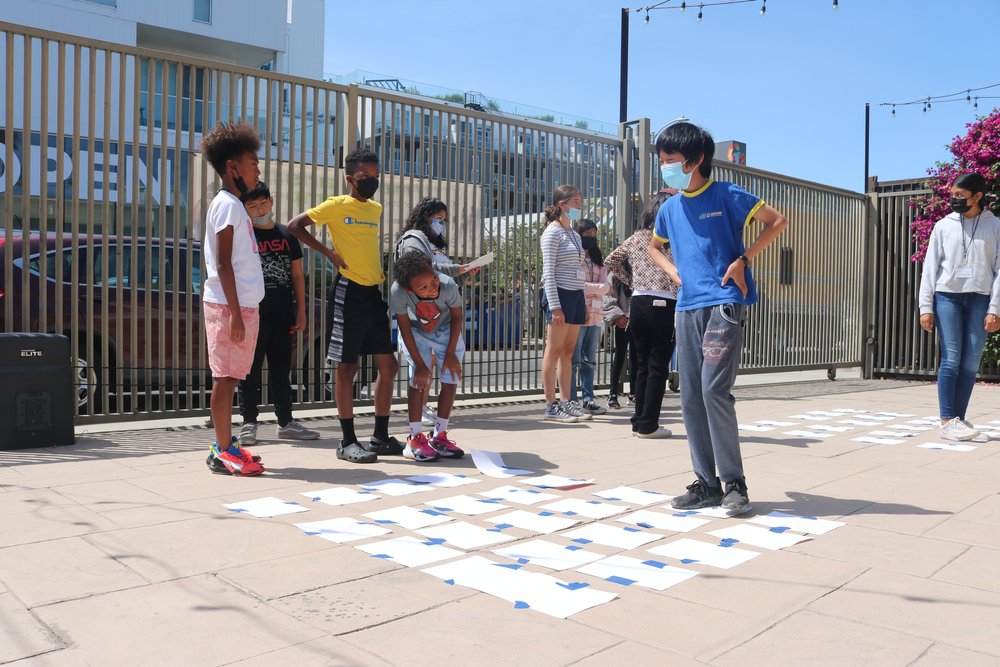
118 550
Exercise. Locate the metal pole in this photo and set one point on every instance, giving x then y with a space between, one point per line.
623 78
868 108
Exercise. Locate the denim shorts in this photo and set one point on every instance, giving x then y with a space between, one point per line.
573 304
432 348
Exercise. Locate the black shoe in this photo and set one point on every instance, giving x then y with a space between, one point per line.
700 494
355 453
736 497
392 447
613 402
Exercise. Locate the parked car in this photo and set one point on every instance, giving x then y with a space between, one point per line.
138 328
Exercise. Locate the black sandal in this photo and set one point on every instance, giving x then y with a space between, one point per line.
355 453
392 447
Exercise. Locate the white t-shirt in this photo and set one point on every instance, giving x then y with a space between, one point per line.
226 210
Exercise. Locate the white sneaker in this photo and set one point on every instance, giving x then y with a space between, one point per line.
428 416
956 429
295 431
573 408
248 435
662 432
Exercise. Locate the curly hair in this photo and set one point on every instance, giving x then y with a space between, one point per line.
411 265
420 217
358 157
228 141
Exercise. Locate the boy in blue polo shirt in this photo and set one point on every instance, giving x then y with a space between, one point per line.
704 227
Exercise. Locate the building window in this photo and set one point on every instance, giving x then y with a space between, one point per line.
203 11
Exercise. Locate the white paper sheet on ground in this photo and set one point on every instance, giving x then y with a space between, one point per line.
343 529
874 418
549 554
907 427
543 522
801 524
592 509
464 535
650 519
492 465
556 482
466 505
878 441
689 551
409 551
765 538
812 418
800 433
445 480
648 574
856 422
527 590
714 512
758 428
410 518
893 434
338 495
848 411
516 494
948 447
265 507
481 261
826 428
823 413
929 418
771 422
627 494
396 487
895 414
621 537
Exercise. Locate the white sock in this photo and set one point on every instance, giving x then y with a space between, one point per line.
416 428
440 425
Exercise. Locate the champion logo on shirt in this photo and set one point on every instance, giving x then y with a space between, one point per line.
711 214
352 221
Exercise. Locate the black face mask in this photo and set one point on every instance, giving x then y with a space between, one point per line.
366 186
960 205
589 242
241 185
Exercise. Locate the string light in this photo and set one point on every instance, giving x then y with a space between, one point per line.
927 102
684 7
763 9
700 13
647 16
893 108
836 6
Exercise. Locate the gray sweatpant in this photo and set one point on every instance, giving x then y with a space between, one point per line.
709 341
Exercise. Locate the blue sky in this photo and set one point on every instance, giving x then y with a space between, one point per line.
793 85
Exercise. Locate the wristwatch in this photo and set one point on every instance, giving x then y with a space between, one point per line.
746 262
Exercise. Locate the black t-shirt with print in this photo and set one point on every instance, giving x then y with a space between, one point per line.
277 249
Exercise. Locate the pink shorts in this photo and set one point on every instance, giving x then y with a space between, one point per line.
226 358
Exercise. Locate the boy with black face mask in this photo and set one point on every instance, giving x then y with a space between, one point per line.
353 223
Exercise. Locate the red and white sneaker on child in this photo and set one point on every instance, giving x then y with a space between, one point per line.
419 450
445 447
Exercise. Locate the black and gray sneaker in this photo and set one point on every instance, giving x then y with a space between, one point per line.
736 497
392 447
700 494
555 413
613 402
355 453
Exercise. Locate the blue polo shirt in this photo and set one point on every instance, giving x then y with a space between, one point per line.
705 231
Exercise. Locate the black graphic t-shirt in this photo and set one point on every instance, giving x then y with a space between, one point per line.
277 249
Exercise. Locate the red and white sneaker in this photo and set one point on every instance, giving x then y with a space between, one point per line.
235 461
419 450
445 447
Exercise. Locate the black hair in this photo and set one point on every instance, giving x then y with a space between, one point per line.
420 219
229 141
971 181
584 225
561 194
411 265
358 157
259 192
648 217
690 141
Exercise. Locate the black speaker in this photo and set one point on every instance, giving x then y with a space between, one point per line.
36 391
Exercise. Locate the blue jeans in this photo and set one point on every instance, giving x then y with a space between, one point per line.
959 321
585 362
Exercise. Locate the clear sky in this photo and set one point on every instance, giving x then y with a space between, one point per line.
793 85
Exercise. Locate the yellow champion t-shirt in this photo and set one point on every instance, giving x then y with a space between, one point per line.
353 227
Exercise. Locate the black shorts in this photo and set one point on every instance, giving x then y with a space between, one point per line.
573 303
358 321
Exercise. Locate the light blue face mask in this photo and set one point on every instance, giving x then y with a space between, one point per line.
437 226
673 175
574 214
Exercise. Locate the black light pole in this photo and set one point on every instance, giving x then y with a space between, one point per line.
623 92
867 135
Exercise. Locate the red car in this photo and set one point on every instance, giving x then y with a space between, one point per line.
133 308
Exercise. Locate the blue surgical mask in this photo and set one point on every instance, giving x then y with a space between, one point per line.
673 175
574 214
437 226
